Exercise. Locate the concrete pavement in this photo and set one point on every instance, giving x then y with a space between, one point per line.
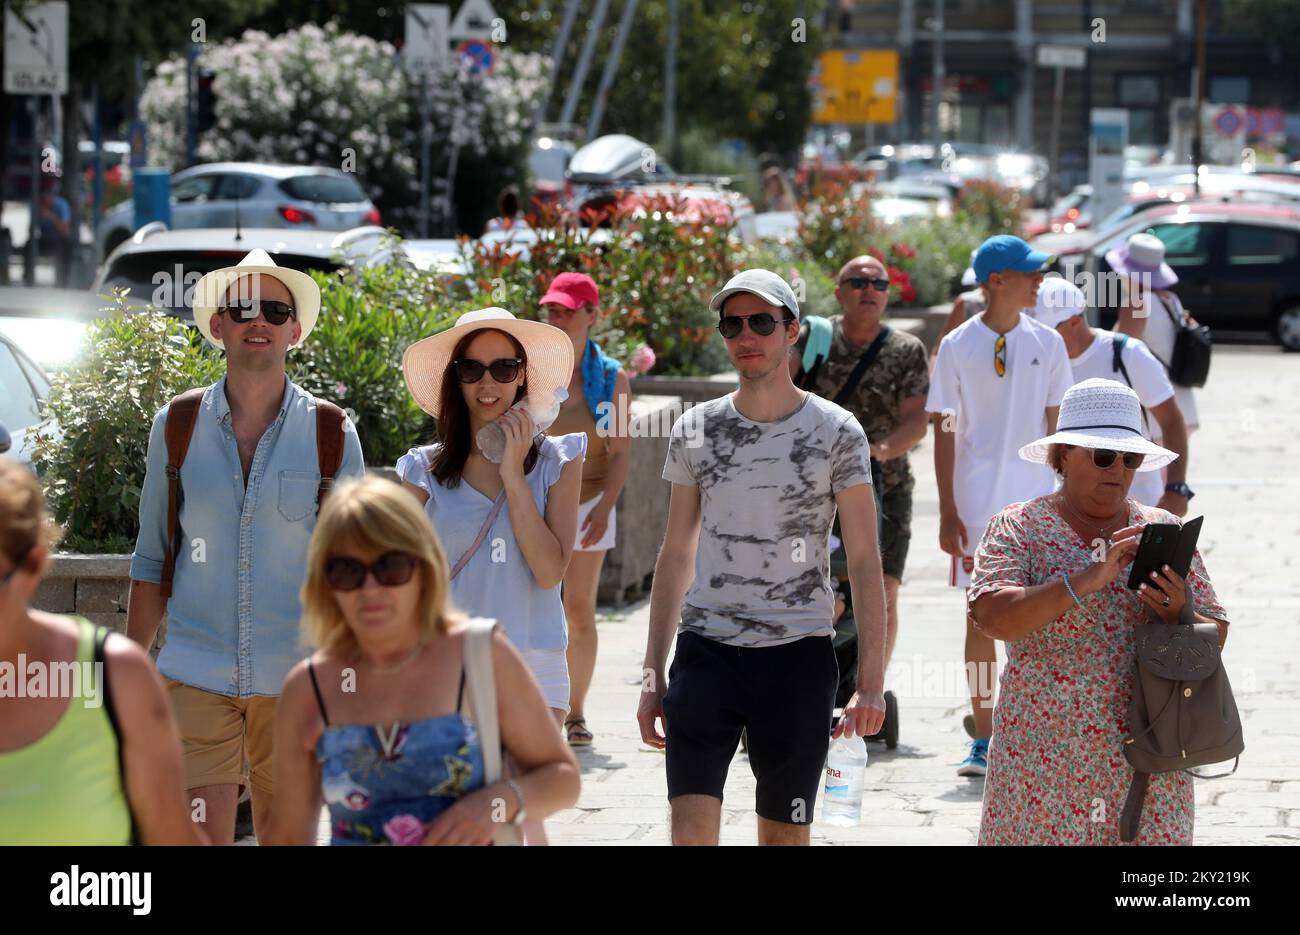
1245 468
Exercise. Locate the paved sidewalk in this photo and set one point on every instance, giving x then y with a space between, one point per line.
1245 467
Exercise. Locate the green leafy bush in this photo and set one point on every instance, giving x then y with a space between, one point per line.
354 355
992 208
104 404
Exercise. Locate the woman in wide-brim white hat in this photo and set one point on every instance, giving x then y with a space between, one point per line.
469 377
1049 580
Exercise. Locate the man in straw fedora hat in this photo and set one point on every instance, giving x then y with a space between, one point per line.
235 474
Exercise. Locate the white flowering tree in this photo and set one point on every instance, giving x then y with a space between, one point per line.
321 96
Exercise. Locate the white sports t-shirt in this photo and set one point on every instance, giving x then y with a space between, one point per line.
1150 382
996 416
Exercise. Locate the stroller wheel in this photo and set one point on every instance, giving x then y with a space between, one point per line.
891 721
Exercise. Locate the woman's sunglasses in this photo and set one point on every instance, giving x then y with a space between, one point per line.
1104 458
763 324
392 570
503 370
861 282
275 312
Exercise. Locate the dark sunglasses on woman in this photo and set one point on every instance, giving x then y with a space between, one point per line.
763 324
274 311
861 282
503 370
391 569
1104 458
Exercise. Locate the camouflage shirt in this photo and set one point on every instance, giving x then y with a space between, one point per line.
900 371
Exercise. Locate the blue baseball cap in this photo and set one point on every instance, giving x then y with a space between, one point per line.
1005 252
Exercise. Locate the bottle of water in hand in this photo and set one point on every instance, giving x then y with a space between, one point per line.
491 438
846 767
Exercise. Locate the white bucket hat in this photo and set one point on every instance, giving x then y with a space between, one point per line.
548 349
1101 414
210 292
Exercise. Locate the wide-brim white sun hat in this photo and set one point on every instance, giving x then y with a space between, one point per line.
210 292
548 349
1101 413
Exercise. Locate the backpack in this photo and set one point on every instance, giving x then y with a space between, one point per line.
182 414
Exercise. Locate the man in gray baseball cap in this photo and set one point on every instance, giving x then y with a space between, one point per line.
754 630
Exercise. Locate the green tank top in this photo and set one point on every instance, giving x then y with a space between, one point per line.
66 787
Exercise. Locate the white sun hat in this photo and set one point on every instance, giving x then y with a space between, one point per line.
210 292
1101 413
548 349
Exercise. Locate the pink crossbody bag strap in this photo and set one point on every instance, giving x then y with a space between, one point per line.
461 562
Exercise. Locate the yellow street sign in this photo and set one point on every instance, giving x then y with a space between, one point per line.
853 86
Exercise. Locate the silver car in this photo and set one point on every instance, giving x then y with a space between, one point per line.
293 197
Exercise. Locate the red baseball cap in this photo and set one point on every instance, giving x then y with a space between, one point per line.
572 290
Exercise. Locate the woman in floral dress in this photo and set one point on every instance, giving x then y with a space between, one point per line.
1050 580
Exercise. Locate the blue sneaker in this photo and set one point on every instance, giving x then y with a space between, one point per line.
977 761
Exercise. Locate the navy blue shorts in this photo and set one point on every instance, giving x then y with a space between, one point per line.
781 696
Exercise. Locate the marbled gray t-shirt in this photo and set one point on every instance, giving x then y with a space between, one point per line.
767 502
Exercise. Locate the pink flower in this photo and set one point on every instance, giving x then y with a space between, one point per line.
642 359
404 830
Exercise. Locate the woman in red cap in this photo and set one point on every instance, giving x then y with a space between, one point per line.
599 395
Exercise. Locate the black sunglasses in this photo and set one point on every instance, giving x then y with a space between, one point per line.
861 282
762 323
503 370
274 311
1104 458
392 570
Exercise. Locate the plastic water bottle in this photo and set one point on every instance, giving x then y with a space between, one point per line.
846 767
491 439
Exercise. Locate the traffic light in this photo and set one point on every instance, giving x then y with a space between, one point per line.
206 118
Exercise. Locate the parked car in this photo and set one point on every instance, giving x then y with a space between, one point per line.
548 160
116 157
621 172
1238 264
161 267
263 195
41 331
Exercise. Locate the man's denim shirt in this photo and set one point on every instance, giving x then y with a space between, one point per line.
233 616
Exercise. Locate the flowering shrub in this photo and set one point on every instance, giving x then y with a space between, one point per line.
320 96
656 274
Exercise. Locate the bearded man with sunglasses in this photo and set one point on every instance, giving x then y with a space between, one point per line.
997 384
250 476
880 374
758 476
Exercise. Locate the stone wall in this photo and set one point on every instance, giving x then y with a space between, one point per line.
97 586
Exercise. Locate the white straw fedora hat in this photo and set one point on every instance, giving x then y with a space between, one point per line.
1101 414
210 292
548 349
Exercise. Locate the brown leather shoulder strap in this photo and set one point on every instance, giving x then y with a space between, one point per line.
178 429
329 445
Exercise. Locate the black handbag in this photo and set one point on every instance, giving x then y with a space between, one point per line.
1189 365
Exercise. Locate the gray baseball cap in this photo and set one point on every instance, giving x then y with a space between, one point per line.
764 283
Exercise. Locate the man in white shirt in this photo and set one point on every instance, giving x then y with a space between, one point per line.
997 384
1113 356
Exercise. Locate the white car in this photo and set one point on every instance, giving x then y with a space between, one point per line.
161 267
41 331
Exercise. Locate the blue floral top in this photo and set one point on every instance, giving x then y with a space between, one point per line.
388 791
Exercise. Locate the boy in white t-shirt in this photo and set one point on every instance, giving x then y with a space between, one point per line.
997 383
1114 356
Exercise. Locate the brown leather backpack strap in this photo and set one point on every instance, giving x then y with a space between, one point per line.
1132 813
178 429
329 445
